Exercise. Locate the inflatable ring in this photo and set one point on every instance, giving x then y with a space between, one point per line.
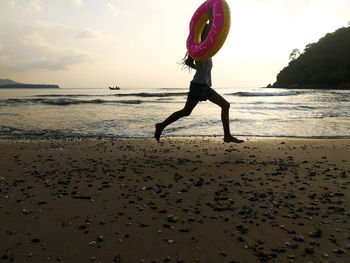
217 35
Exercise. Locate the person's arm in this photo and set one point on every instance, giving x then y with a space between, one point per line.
190 62
210 17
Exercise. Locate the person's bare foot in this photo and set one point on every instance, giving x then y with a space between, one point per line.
232 139
158 131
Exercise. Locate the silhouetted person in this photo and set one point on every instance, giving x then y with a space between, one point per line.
200 90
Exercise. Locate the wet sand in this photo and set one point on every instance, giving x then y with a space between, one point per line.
183 200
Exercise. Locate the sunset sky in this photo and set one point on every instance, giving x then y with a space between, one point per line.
137 43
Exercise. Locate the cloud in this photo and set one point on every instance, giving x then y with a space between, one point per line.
113 9
31 6
35 5
27 48
78 2
35 40
56 63
11 3
64 30
88 34
45 61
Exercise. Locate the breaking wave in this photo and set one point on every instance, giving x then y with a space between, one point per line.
63 101
264 94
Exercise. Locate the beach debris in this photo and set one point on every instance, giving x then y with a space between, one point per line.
316 234
172 218
8 256
309 250
36 240
92 243
238 196
117 259
339 251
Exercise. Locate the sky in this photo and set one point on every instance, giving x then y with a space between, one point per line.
138 43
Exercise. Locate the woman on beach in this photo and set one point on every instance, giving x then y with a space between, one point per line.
200 90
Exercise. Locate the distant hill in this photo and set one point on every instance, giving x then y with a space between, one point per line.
7 82
325 64
10 84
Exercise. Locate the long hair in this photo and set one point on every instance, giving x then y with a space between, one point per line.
204 34
183 62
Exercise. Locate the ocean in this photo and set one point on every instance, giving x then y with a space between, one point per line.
133 112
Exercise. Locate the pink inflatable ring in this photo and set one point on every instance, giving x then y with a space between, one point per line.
217 35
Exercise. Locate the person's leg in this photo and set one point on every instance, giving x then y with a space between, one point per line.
186 111
225 106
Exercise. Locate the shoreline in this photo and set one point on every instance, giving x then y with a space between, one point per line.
166 137
182 200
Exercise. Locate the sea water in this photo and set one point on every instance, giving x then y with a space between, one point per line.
133 112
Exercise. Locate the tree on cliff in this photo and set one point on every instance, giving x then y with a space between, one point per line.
326 62
294 54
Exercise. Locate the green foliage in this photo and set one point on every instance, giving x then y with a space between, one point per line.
326 62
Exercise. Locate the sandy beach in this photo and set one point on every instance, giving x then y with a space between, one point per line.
181 200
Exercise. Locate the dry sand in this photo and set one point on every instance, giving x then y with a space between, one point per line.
183 200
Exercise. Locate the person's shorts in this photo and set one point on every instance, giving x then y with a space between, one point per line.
200 92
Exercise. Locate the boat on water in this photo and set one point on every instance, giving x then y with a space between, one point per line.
114 88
